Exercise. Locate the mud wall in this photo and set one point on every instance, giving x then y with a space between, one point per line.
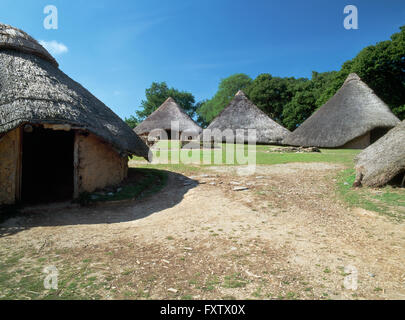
9 150
99 165
359 142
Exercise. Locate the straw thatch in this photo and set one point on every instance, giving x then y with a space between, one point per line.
384 160
242 114
163 117
351 113
34 90
13 38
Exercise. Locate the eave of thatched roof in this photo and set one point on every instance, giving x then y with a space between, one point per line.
379 163
163 117
352 112
34 90
241 113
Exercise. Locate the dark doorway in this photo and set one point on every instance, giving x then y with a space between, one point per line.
47 165
173 135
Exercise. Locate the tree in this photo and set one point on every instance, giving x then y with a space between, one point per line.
199 119
227 89
306 98
158 93
301 106
132 122
271 94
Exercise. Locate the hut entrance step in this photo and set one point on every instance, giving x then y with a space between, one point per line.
47 165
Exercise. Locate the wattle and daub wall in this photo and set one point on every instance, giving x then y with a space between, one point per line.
98 164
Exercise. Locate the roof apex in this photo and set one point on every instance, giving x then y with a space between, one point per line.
170 99
240 93
351 77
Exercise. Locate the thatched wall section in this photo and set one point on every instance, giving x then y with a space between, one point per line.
352 112
98 164
383 160
9 152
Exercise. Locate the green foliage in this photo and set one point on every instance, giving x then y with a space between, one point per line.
299 108
399 111
132 122
304 101
158 93
227 89
199 118
271 94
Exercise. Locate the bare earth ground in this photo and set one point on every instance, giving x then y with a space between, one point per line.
286 237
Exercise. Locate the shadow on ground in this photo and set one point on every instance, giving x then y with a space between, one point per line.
101 213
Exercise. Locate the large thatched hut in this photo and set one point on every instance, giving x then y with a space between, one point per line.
354 118
241 115
56 139
384 161
170 121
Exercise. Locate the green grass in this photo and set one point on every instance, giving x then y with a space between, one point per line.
199 159
387 201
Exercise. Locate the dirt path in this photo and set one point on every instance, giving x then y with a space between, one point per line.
286 236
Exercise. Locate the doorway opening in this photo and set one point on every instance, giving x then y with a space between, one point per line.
47 165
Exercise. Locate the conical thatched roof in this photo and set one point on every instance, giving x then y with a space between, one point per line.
352 112
34 90
241 113
162 118
383 160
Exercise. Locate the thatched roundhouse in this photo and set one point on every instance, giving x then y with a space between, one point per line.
384 161
241 115
353 118
169 120
56 139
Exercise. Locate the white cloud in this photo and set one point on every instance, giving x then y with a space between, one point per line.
54 47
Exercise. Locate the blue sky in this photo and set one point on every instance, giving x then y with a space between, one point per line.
117 48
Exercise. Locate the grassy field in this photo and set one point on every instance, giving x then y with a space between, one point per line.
164 152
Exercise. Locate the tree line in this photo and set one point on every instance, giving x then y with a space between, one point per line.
290 101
